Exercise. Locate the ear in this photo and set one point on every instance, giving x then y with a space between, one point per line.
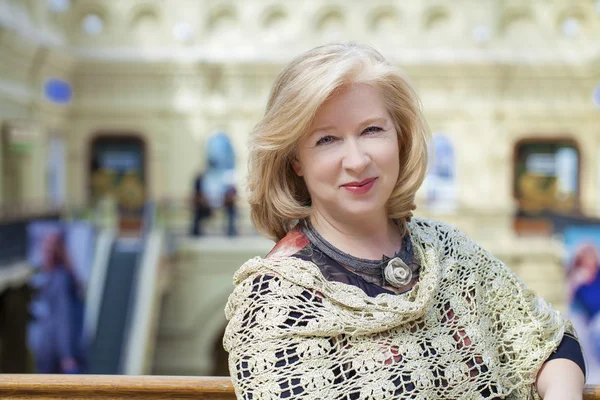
297 166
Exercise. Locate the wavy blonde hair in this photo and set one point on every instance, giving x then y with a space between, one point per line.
278 197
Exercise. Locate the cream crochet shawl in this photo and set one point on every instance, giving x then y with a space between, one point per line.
468 327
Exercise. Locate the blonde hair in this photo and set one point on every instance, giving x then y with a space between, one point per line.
278 197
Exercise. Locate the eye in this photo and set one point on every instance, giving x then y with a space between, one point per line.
373 129
325 140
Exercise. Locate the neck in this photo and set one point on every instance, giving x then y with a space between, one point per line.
368 239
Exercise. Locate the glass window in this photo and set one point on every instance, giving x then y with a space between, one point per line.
547 177
441 181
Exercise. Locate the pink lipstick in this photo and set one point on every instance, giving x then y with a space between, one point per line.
361 187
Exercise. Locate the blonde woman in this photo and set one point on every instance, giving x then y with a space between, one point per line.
358 300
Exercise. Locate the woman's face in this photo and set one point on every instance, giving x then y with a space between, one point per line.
349 159
588 260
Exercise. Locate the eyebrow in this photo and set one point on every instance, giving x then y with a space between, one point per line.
364 123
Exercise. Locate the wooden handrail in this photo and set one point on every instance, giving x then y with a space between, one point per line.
38 387
115 387
591 392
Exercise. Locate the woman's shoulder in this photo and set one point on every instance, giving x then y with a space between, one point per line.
428 224
270 278
275 266
279 259
427 230
432 228
290 244
276 259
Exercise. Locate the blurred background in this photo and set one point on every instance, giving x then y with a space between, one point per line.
123 149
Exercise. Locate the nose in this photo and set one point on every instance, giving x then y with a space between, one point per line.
355 158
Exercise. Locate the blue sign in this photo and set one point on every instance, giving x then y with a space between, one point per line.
219 151
58 91
219 174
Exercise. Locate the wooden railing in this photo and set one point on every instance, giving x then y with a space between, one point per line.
115 387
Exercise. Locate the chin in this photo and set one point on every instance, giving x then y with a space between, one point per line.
358 211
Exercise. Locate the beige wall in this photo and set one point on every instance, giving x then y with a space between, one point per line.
192 316
524 79
27 59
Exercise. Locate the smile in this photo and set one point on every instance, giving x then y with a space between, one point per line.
361 187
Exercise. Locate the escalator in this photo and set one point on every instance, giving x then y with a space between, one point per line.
122 301
107 349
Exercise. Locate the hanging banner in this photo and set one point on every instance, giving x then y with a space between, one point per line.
582 265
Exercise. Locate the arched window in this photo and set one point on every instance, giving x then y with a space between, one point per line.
546 177
546 185
118 169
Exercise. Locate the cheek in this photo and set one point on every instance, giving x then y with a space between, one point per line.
321 168
389 157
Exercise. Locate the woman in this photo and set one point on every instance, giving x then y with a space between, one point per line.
357 300
59 349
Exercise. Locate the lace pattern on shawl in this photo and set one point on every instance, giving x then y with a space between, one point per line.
468 329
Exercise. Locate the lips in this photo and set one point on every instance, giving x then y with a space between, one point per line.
359 188
358 184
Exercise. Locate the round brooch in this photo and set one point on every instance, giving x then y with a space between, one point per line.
397 273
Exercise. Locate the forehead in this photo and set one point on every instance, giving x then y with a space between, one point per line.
351 103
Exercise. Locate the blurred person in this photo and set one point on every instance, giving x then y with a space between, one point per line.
202 209
60 328
358 299
229 203
584 281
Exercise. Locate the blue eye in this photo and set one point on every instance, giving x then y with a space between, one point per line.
325 140
373 129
